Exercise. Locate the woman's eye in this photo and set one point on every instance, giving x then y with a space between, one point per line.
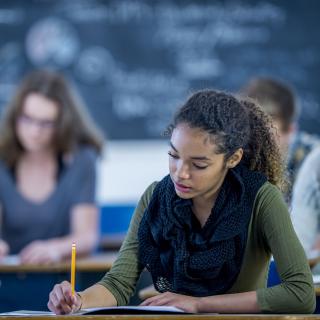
172 155
200 167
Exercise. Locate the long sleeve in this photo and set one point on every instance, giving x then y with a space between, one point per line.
306 201
124 274
296 293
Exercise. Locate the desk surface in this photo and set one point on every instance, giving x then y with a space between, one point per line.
112 242
94 263
177 317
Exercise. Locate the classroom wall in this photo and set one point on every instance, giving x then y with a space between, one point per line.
127 168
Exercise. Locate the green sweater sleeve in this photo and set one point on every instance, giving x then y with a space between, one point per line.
296 292
124 274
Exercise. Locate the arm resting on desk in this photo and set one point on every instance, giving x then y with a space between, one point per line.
97 296
4 248
84 226
245 302
61 300
295 293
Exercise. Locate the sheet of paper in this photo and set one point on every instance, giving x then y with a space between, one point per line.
11 260
27 313
106 310
135 308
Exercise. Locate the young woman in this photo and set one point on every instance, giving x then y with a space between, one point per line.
206 231
48 149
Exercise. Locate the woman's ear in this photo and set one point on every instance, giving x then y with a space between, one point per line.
235 158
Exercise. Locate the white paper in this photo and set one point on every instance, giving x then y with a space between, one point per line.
11 260
27 313
143 309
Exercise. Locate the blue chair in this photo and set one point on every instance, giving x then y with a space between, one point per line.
115 218
273 276
114 223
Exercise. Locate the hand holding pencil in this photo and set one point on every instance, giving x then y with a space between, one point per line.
73 268
62 299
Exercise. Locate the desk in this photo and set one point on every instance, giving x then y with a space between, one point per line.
150 291
112 241
28 286
175 317
94 263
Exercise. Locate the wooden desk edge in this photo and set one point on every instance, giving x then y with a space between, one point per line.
95 263
177 317
113 242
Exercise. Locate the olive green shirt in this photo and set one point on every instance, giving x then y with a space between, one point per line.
270 232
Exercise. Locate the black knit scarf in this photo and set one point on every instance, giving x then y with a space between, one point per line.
181 256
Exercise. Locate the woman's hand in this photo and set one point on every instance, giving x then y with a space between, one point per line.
4 248
186 303
61 300
40 252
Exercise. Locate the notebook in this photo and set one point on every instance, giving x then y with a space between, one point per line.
104 310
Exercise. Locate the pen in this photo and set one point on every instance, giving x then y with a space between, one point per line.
73 268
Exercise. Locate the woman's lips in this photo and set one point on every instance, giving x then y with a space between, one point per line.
181 187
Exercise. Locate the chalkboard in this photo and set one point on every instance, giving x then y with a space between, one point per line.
135 61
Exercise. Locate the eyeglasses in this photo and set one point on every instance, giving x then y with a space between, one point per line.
41 123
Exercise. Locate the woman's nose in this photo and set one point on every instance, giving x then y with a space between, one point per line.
183 171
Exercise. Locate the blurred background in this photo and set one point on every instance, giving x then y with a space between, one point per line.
134 62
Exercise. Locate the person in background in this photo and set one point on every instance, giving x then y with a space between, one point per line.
207 230
305 212
48 151
278 100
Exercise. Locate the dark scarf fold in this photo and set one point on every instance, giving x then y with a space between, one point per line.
185 258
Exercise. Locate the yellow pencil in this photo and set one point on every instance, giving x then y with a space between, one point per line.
73 267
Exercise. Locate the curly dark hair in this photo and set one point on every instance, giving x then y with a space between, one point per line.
235 123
